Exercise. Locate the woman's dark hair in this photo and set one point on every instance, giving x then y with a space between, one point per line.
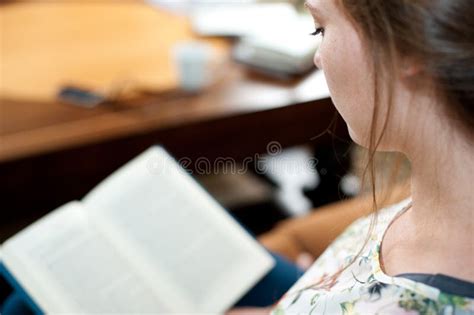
438 33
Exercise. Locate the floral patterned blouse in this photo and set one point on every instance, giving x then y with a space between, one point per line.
363 288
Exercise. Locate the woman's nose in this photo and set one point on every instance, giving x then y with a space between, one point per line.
317 59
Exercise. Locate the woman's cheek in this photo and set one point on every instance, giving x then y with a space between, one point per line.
339 63
330 64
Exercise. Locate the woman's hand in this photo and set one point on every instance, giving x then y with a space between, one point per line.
250 311
304 261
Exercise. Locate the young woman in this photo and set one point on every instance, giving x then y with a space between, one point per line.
401 74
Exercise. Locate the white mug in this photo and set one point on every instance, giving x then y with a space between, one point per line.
194 63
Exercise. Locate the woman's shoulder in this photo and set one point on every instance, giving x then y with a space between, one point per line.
342 282
348 244
359 230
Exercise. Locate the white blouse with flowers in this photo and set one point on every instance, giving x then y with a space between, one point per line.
363 288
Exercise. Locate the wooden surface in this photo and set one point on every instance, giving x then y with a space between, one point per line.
96 45
32 128
46 44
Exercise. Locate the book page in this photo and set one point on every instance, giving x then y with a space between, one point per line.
189 246
65 265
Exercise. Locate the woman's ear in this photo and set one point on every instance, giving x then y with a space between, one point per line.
410 67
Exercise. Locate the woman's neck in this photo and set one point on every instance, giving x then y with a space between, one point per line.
441 218
436 234
442 184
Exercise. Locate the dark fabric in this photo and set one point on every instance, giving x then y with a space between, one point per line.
15 305
272 287
445 283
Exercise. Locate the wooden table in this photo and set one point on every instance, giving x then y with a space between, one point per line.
51 153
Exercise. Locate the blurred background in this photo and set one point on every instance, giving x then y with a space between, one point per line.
227 87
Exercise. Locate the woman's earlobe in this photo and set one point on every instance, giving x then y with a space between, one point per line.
410 68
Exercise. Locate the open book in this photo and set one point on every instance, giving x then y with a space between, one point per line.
148 239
